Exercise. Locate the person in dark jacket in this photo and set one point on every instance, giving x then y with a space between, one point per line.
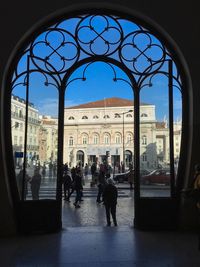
101 186
110 195
67 183
78 187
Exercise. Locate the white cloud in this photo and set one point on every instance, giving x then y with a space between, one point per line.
49 106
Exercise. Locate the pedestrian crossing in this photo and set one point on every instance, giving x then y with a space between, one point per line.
88 192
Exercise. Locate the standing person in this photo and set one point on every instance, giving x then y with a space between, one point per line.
67 183
35 184
110 195
93 172
65 167
43 170
78 187
131 176
86 171
101 186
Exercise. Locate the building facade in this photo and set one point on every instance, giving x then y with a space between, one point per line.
105 127
18 117
48 139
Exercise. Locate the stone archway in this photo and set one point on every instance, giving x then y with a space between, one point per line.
51 73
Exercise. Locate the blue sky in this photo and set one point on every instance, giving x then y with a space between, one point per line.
99 82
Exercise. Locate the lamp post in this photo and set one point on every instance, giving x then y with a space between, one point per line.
123 149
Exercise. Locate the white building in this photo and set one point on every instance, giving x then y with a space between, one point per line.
93 128
48 139
18 115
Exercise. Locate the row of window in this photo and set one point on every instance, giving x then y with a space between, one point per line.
20 126
19 140
107 116
106 140
20 112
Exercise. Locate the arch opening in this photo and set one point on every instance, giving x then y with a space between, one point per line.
70 43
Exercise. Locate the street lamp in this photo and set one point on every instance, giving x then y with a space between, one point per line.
123 149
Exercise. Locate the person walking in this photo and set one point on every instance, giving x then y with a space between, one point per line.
93 172
110 195
86 169
35 184
78 187
43 170
67 184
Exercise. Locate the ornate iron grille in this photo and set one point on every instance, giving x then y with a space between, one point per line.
61 48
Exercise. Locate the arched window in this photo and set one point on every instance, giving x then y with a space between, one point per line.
129 138
118 138
144 115
49 55
144 140
106 117
117 115
71 118
71 141
129 115
95 139
84 139
95 117
106 139
84 118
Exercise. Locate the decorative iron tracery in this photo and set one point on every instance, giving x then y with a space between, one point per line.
58 50
61 46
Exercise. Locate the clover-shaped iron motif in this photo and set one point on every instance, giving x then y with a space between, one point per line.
99 35
56 48
141 52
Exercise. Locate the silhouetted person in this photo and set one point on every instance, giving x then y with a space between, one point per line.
43 171
101 186
67 184
35 184
86 169
78 187
110 195
93 172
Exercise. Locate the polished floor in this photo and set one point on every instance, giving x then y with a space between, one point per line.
86 241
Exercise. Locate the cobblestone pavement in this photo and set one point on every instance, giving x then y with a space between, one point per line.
93 214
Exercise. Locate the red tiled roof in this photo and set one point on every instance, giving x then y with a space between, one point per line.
107 102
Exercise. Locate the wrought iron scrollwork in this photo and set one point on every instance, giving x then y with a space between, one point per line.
99 35
140 51
58 49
